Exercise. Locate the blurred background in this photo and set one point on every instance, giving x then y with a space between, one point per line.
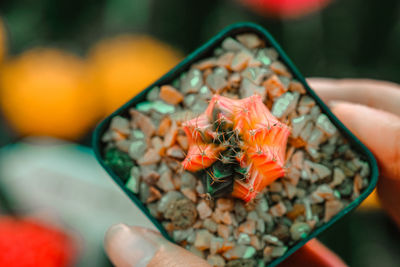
65 65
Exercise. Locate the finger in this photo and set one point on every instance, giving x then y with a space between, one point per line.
377 94
377 129
313 254
380 131
140 247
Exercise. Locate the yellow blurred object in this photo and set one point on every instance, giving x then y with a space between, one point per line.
371 202
45 92
3 39
123 66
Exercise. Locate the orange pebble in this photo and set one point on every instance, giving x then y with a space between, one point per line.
165 124
170 95
183 142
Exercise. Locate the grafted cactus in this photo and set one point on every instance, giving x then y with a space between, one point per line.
237 147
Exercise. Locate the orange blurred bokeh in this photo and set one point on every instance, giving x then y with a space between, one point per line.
45 92
121 67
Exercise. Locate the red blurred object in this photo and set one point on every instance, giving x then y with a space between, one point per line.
28 243
285 8
313 254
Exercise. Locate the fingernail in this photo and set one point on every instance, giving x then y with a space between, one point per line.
131 246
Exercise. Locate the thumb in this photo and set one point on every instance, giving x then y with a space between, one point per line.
140 247
377 129
380 131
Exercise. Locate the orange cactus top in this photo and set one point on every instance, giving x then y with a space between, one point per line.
260 136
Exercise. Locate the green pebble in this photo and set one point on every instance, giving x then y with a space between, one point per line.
249 253
158 106
137 134
133 182
119 162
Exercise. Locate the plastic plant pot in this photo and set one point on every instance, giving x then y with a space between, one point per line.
203 52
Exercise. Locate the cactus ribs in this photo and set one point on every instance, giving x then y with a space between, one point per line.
236 147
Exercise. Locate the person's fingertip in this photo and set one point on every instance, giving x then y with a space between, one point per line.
115 230
130 246
377 129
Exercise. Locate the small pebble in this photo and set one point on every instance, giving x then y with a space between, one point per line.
175 152
225 204
190 194
181 235
254 74
263 57
225 60
296 86
120 124
280 69
149 175
203 239
170 95
332 207
241 60
274 87
285 104
216 81
216 244
153 94
338 177
165 182
248 89
192 82
248 227
224 231
325 125
216 260
299 230
240 211
170 136
278 251
154 194
270 239
137 149
210 225
238 252
133 181
203 209
250 40
168 198
165 124
231 44
278 209
298 124
243 239
188 180
281 232
150 157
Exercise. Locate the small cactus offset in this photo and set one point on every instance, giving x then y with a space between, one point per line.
237 147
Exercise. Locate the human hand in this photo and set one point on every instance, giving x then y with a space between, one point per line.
371 110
